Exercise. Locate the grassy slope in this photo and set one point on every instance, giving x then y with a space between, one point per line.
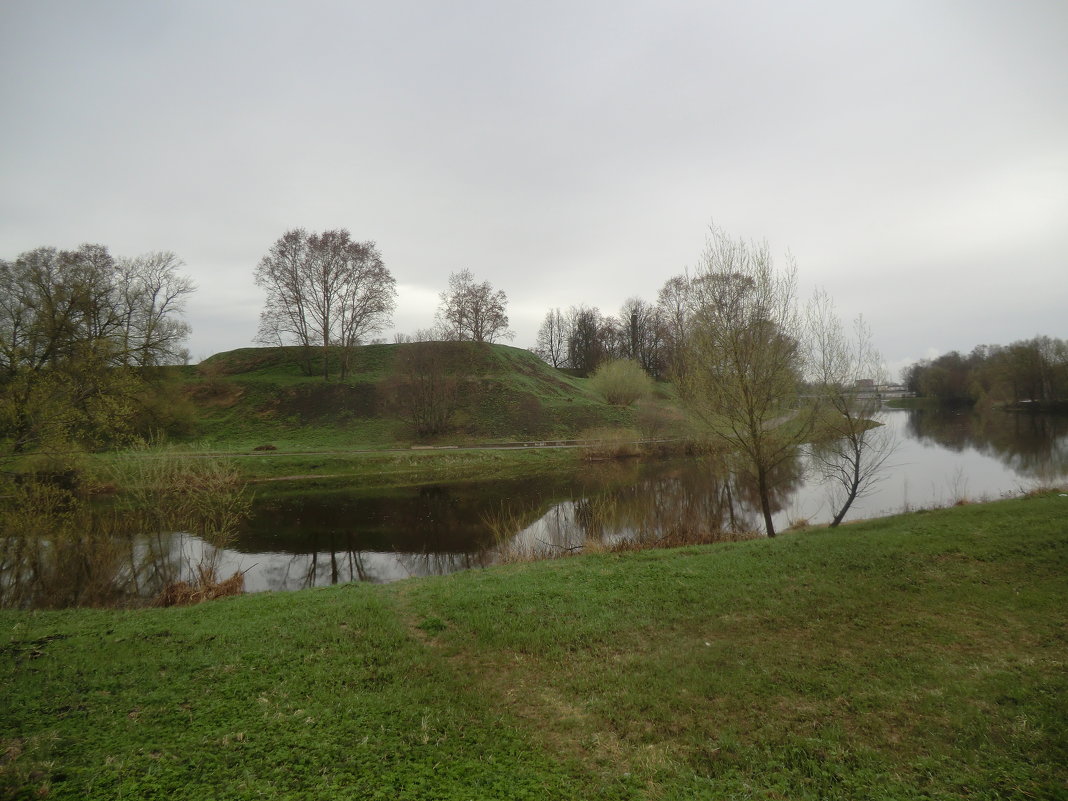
920 656
256 395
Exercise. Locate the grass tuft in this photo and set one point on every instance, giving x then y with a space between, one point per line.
205 587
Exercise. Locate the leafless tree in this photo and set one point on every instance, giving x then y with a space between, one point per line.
552 339
641 335
472 312
323 289
589 337
744 359
424 389
846 371
153 295
673 304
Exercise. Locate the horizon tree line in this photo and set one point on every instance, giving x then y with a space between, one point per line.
1029 370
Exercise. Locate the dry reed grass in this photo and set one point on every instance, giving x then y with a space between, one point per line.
206 587
61 548
610 443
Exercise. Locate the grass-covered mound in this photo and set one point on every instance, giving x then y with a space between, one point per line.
920 656
254 395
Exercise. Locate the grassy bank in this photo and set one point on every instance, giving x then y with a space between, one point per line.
369 469
920 656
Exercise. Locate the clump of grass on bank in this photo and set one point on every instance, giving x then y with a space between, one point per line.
376 469
60 547
610 443
920 656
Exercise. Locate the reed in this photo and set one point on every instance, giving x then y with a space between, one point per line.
62 546
610 443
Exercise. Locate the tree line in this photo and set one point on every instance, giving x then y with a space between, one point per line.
582 338
759 370
81 332
1028 371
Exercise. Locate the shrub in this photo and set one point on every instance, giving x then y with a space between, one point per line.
655 419
425 392
622 382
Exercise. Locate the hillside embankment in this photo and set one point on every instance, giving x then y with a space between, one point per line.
401 414
453 393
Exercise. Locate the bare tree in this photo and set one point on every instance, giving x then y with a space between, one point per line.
473 312
744 360
846 372
640 335
424 389
673 304
588 339
552 339
323 289
152 299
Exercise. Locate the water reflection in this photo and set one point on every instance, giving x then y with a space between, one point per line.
672 501
1032 445
298 537
315 538
942 458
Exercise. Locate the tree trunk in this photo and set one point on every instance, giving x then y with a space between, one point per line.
854 486
326 357
765 500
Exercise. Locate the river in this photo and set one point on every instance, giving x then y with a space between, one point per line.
302 535
311 537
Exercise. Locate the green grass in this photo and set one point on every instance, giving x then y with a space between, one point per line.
367 469
408 468
920 656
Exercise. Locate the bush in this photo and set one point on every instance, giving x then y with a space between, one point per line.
425 391
622 382
656 420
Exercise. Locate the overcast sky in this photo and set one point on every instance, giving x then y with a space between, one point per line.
911 155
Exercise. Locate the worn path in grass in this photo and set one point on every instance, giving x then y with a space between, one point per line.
920 656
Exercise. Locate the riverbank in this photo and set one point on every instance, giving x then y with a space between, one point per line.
398 468
914 656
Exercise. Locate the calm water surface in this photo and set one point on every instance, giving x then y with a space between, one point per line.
311 537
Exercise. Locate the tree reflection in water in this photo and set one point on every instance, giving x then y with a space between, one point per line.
310 536
1032 444
686 502
59 549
